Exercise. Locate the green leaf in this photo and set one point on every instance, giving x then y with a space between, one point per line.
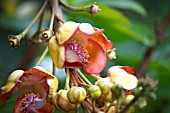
126 4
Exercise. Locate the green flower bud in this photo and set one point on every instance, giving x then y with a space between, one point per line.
128 98
111 54
112 110
94 91
141 103
104 85
62 103
76 94
106 98
152 96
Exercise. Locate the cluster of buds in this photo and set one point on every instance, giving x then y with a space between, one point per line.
82 50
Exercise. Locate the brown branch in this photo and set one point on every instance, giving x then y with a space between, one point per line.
159 31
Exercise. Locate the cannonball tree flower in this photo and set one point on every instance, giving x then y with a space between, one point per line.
36 87
80 46
123 75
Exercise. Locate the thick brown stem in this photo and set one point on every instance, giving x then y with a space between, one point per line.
160 29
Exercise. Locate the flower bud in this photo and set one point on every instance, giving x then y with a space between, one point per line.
76 95
11 81
46 34
94 91
128 98
94 9
104 85
111 54
14 40
106 97
112 110
152 96
62 103
141 103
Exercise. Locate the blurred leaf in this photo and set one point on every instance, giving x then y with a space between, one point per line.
125 4
146 35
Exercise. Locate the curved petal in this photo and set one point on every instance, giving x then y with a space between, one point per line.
100 38
79 37
129 69
17 108
57 52
97 60
4 97
12 81
47 108
39 71
66 31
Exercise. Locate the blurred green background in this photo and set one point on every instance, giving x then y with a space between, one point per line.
130 24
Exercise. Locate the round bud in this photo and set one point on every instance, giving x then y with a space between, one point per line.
94 9
14 40
62 103
94 91
141 103
46 34
104 85
112 110
76 94
128 98
111 54
107 97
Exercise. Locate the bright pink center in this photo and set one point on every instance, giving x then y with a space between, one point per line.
80 51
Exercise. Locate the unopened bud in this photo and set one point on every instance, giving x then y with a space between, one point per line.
14 40
141 103
94 91
111 54
107 98
94 9
46 34
76 95
112 110
104 85
62 103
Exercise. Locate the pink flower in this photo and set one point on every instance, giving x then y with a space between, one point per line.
36 87
80 46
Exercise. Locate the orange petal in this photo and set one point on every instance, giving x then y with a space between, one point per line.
17 108
47 108
100 38
97 60
79 37
4 97
39 71
57 52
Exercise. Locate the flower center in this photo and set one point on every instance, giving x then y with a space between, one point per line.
81 52
31 102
